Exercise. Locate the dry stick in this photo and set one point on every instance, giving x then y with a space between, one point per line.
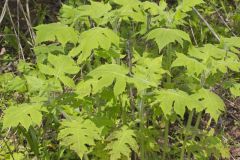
225 23
194 38
27 18
15 32
3 11
208 25
28 11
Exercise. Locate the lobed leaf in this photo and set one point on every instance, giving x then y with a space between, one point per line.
79 134
164 36
24 114
121 142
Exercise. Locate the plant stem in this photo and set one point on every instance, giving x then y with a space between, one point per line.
195 128
185 136
141 117
85 156
166 132
8 148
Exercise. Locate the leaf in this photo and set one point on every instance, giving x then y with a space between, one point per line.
176 100
121 143
62 65
24 114
70 15
99 38
104 76
147 72
154 8
232 42
79 134
55 31
95 10
164 36
42 51
225 64
206 52
130 10
187 5
16 84
193 66
212 102
34 83
235 90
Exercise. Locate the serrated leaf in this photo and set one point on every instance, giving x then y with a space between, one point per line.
59 70
164 36
176 100
147 72
93 39
55 31
216 59
187 5
121 143
193 66
79 134
95 10
130 10
212 102
24 114
104 76
206 52
232 42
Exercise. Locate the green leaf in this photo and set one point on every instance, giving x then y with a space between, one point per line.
176 100
79 134
24 114
193 66
16 84
147 72
235 89
232 42
215 59
225 64
93 39
154 8
187 5
34 83
121 143
164 36
55 31
212 102
95 10
206 52
104 76
62 65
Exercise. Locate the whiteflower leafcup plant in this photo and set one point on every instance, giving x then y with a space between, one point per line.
119 79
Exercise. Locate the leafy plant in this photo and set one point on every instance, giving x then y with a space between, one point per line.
120 79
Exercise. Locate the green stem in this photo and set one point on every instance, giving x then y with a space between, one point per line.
185 136
141 117
195 128
166 132
85 157
8 148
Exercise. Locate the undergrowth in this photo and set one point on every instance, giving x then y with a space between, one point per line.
120 79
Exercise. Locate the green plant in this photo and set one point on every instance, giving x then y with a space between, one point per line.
110 81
